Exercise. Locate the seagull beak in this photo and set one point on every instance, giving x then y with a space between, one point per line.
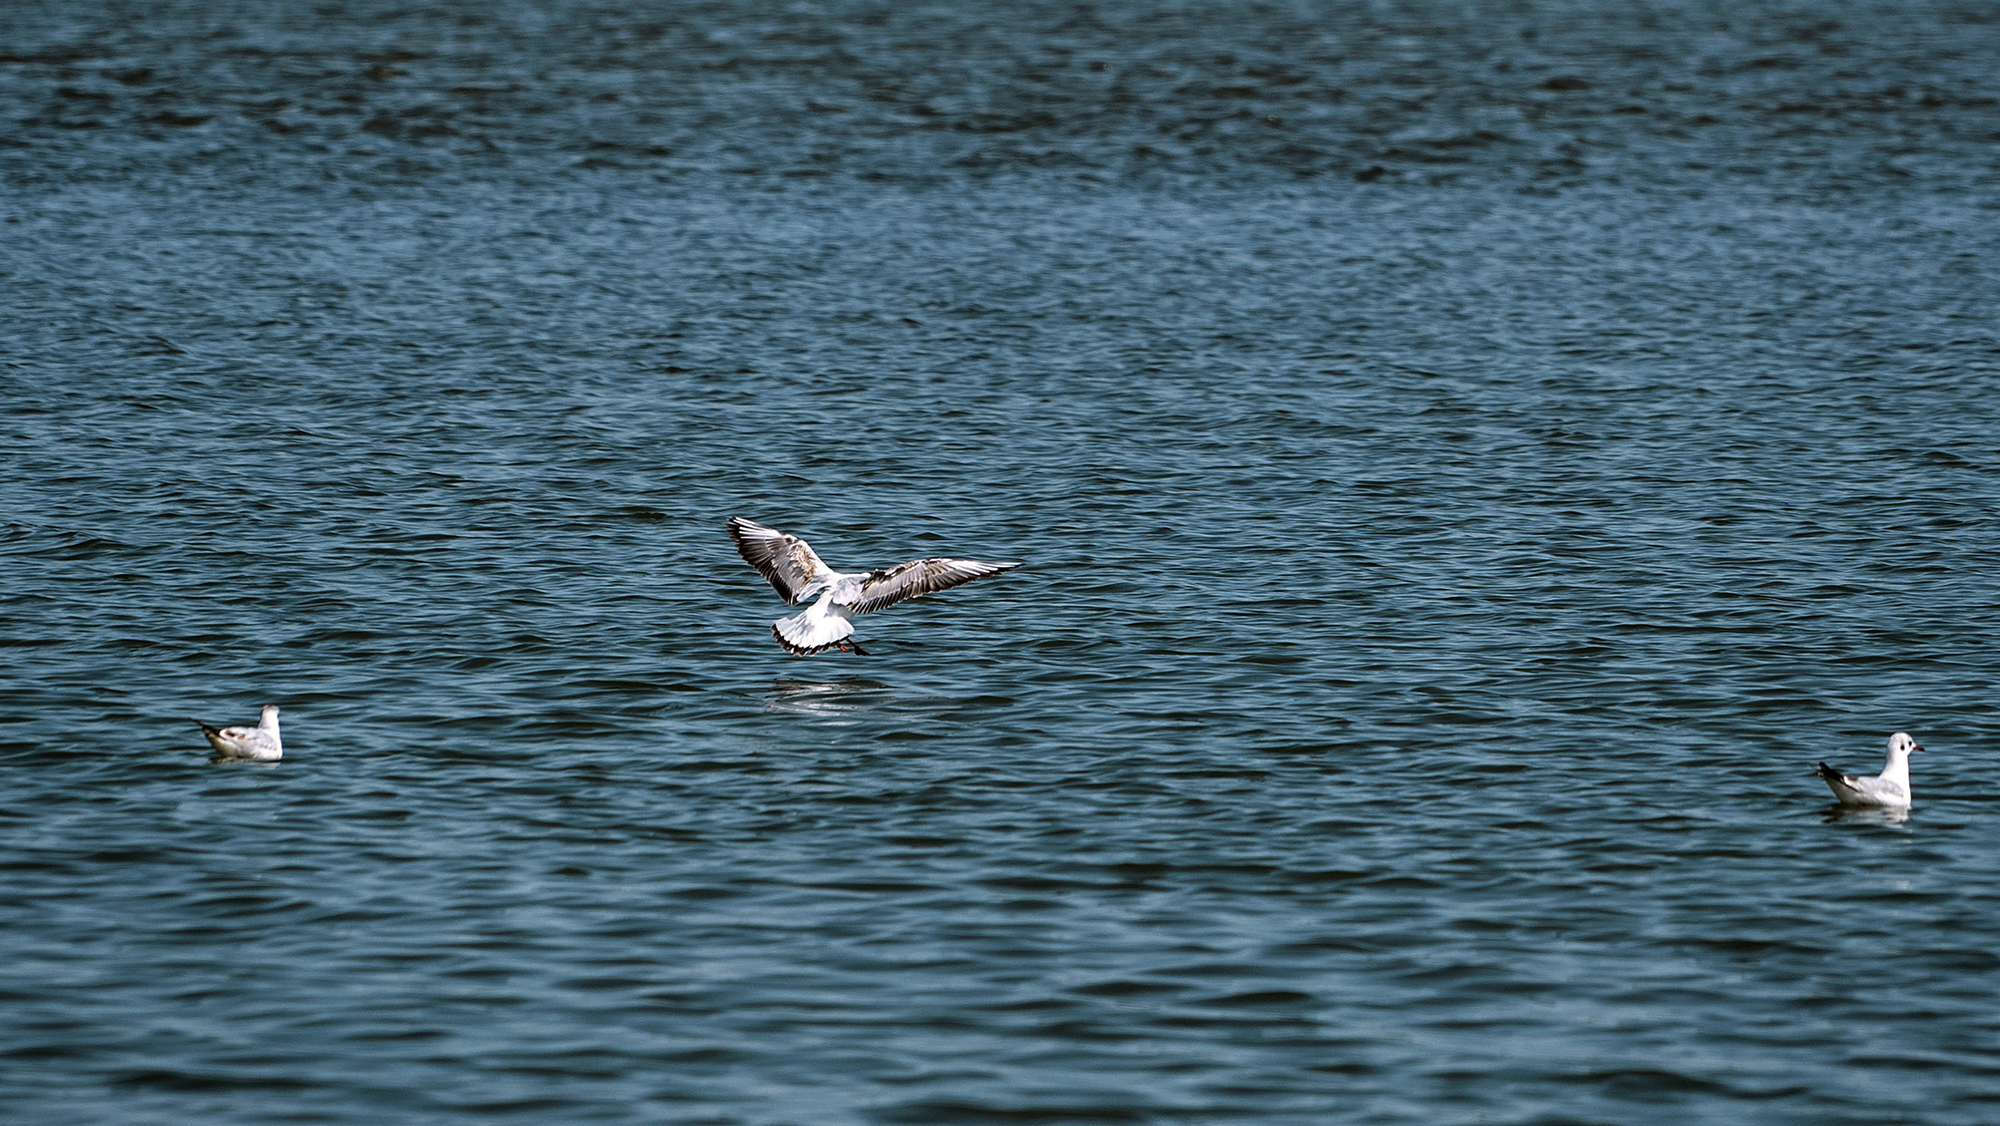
1916 747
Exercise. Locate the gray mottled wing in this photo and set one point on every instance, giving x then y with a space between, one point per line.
1864 791
919 576
787 561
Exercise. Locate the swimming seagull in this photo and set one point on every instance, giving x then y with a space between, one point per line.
258 744
797 574
1890 788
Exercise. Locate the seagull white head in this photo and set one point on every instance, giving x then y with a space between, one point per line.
1901 744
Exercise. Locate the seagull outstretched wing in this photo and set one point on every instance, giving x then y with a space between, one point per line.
787 561
918 577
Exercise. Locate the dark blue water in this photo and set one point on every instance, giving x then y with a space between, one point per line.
1471 461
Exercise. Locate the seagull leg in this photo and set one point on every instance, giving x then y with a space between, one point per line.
852 646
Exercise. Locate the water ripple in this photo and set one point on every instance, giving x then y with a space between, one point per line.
1470 466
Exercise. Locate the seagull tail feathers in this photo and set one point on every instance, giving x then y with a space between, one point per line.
811 631
1843 788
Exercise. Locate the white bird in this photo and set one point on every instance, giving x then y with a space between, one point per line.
258 744
1891 788
797 574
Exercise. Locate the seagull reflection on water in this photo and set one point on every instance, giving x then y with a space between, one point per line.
841 699
1838 814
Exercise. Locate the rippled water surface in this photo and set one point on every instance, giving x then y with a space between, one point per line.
1470 462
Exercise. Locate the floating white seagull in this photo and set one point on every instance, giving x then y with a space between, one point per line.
259 743
797 574
1891 788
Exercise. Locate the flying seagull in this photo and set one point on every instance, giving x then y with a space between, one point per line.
258 744
1890 788
797 574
